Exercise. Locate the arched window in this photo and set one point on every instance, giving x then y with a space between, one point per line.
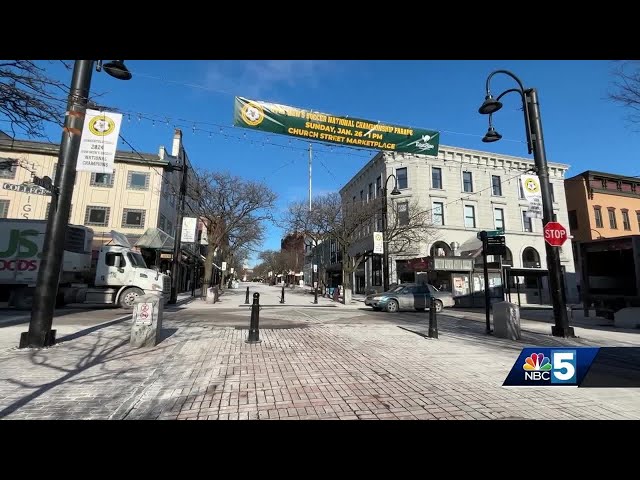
507 258
440 249
530 258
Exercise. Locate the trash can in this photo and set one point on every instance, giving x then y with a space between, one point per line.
506 320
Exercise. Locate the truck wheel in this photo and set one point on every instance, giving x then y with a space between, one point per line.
23 298
128 297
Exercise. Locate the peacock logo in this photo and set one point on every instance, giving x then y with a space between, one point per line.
537 362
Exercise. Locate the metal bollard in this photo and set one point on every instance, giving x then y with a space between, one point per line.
246 299
282 298
254 325
433 319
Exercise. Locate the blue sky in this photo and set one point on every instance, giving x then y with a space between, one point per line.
581 127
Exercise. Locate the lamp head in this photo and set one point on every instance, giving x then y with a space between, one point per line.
117 69
490 105
395 191
491 136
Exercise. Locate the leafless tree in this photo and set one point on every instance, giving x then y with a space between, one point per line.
29 97
228 205
626 88
351 225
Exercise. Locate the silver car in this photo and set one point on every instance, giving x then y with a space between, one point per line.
409 296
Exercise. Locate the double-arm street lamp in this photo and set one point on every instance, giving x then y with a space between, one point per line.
385 241
535 143
44 299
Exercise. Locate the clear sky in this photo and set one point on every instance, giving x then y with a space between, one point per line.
581 126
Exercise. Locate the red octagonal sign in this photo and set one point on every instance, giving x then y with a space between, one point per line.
555 234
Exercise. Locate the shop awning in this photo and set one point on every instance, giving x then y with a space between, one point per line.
156 239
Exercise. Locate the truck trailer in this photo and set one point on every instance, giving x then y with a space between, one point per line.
117 277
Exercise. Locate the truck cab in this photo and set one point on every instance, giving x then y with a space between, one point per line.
122 275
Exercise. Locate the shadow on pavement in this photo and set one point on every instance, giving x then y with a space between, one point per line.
166 333
87 331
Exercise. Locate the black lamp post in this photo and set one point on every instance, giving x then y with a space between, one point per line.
535 144
44 299
385 246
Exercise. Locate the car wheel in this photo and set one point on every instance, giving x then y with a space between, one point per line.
392 306
439 306
128 298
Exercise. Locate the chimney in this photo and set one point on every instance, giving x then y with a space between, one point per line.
177 142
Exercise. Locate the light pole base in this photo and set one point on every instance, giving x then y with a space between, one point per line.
566 332
48 340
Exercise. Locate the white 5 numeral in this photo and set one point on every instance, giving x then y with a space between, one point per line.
560 364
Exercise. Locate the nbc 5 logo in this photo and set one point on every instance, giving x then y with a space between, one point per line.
560 367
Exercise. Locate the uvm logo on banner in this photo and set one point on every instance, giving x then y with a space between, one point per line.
550 366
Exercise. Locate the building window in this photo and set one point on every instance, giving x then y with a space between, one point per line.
598 214
4 208
626 223
613 223
379 223
162 222
638 218
138 180
169 227
438 213
573 220
470 216
361 196
467 180
498 218
376 270
97 216
133 218
8 167
527 224
401 175
553 195
403 214
378 186
520 189
370 197
530 258
436 177
496 186
102 179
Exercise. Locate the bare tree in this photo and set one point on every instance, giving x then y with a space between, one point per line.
228 205
29 97
626 88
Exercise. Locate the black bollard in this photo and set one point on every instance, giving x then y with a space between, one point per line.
246 299
282 298
254 325
433 319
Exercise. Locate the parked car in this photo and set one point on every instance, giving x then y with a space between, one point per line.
409 296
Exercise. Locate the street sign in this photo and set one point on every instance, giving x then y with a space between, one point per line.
44 182
315 268
492 233
555 234
496 245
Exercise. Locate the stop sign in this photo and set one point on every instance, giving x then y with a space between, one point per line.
555 234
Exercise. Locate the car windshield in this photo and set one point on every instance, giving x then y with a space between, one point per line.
136 260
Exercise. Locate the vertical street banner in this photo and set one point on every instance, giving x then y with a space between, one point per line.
533 194
378 244
99 141
342 130
189 225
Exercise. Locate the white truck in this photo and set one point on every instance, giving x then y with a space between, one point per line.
116 277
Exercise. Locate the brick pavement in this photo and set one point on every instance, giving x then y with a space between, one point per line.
320 370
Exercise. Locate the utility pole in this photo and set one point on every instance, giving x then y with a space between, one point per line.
310 159
175 266
44 299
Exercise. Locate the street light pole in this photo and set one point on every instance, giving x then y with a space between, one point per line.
535 142
385 246
561 328
44 299
175 265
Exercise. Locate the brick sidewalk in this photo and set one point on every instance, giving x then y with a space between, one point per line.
317 371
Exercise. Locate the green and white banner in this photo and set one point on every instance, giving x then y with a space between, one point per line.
346 131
